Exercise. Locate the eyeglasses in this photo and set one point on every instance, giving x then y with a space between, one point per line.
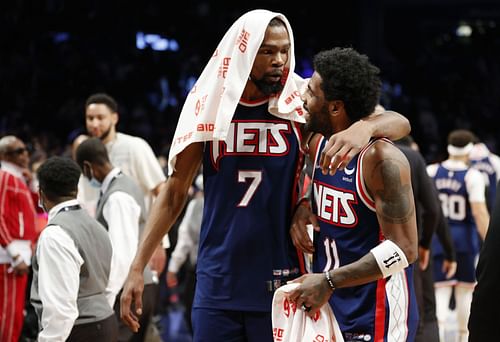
17 151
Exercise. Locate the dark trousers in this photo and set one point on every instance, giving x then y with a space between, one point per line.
101 331
149 299
427 330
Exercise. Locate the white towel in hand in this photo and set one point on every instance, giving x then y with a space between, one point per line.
291 324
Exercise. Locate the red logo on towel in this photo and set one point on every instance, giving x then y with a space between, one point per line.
292 96
278 334
197 108
223 68
299 110
200 105
205 127
242 41
287 306
284 77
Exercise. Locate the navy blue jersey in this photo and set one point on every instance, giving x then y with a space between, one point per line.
383 310
251 187
456 208
486 167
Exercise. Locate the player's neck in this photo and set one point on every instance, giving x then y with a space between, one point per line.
464 159
252 94
110 137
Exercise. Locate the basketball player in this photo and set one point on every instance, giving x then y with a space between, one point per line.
367 239
251 165
462 192
489 164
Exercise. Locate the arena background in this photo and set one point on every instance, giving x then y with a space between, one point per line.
439 60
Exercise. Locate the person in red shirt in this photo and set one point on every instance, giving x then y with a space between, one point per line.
17 235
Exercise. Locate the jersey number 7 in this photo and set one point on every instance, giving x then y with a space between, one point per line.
256 178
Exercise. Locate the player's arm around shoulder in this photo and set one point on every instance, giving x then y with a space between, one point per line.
386 174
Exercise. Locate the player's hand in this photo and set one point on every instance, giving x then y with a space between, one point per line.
27 175
449 267
20 268
132 296
312 294
423 257
171 279
298 230
343 146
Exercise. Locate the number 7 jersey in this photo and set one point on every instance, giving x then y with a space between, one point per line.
382 310
251 187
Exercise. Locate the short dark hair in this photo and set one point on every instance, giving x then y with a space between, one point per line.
349 76
58 177
102 98
92 150
460 137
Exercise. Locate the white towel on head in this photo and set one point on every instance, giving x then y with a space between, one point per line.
291 324
210 105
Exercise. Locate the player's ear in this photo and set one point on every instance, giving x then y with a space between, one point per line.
335 106
114 118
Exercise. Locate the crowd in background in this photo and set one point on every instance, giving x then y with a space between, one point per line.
440 81
436 79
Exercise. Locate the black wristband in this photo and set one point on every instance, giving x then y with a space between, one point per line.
329 280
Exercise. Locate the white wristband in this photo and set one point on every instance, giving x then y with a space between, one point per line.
390 258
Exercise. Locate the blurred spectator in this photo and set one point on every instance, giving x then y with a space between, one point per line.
186 250
121 211
17 236
462 193
71 264
489 164
15 159
429 216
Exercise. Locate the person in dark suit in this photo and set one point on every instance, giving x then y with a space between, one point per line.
430 219
484 317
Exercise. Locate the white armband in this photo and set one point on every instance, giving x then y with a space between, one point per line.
390 258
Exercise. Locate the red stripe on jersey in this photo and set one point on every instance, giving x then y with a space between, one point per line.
360 185
407 298
316 160
380 310
297 191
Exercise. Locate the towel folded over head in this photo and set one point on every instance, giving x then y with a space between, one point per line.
210 105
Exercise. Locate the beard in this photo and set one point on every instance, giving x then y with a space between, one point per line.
266 87
319 122
105 134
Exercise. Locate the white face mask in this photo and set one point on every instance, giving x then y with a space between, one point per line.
40 203
95 183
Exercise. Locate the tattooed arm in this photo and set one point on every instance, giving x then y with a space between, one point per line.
387 179
386 174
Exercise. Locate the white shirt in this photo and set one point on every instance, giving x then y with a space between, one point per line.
188 235
122 213
481 151
59 264
87 195
136 158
